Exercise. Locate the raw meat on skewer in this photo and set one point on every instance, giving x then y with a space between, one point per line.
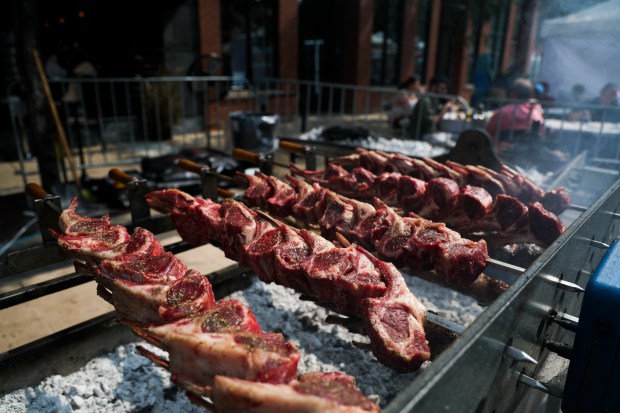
351 279
507 181
174 308
468 210
422 245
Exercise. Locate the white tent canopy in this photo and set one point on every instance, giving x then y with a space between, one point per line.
604 18
582 48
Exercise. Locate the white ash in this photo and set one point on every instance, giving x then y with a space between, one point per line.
121 381
326 347
533 174
404 146
125 381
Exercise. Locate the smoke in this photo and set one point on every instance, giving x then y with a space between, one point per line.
578 43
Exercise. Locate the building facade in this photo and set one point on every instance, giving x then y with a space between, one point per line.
366 42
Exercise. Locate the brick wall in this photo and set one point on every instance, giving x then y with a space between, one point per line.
408 39
357 46
209 27
288 44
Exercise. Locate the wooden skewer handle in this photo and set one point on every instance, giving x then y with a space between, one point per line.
292 147
35 191
224 193
117 175
243 155
190 166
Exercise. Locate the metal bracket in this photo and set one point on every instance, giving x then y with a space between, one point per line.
48 211
139 208
208 183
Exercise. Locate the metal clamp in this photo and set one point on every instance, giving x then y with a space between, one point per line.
309 152
136 189
48 210
208 179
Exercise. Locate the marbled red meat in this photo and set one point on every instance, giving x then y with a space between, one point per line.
349 279
464 208
312 393
506 181
174 307
224 340
385 232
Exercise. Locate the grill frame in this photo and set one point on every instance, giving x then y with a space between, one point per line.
483 381
473 374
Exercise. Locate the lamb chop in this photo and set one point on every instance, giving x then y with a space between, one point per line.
350 279
415 242
141 298
155 293
145 284
223 340
312 393
174 308
467 210
507 181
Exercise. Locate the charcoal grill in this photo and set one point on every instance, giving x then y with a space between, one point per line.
483 371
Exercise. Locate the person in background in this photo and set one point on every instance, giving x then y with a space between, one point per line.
404 102
429 110
542 92
578 93
608 96
517 118
518 130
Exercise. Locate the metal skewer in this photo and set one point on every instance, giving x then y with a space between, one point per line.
496 288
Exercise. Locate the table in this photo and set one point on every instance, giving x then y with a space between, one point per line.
600 139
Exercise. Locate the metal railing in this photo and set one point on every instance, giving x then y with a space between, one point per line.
321 104
119 121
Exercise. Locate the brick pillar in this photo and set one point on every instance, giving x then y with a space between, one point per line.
210 41
288 24
357 45
527 40
408 36
209 27
433 38
508 55
483 42
460 69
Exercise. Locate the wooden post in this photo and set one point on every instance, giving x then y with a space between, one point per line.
59 129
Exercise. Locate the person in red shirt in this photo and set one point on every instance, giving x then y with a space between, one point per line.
521 117
518 130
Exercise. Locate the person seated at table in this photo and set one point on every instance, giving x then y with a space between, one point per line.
542 92
517 119
578 93
518 130
403 103
608 96
429 110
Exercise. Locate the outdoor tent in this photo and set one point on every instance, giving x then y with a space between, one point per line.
582 48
